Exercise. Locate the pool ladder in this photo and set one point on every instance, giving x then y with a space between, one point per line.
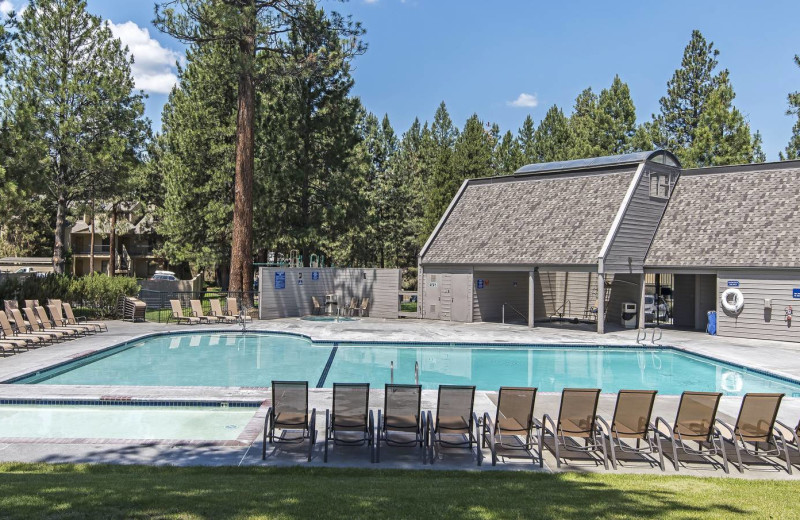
641 335
416 372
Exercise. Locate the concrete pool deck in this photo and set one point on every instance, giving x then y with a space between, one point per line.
780 358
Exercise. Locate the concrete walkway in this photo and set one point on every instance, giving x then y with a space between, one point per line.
776 357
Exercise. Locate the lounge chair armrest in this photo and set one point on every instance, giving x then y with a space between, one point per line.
726 426
487 424
380 425
604 425
327 421
80 319
371 424
547 419
780 425
312 422
476 424
659 421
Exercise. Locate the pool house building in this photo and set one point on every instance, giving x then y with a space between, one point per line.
582 240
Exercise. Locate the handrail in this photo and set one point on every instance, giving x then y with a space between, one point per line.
416 372
564 310
653 338
641 334
391 372
525 317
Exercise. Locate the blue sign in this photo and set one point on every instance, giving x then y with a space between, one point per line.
280 279
480 283
315 275
300 281
796 293
733 283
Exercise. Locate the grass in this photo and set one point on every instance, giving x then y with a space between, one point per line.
408 306
99 491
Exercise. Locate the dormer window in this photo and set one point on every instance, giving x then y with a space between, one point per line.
660 185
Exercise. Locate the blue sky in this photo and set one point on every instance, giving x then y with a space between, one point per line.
481 56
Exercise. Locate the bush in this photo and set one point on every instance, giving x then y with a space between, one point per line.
97 294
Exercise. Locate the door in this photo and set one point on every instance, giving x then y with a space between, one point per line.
461 294
431 295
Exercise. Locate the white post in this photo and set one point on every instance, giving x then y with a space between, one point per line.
641 301
531 293
601 303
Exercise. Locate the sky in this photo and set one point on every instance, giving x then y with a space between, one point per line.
509 58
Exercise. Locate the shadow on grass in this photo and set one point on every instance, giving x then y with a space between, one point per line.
64 491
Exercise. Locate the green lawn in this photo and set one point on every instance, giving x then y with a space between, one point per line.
96 491
408 306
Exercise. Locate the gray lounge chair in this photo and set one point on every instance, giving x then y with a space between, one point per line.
401 422
289 411
514 418
755 432
632 421
352 422
696 421
577 419
456 424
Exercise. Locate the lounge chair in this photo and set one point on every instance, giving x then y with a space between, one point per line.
31 304
81 320
58 318
197 312
792 436
177 314
17 343
755 427
401 416
316 308
232 305
514 418
35 325
352 422
456 419
577 419
364 308
352 307
632 421
21 333
216 311
289 411
696 421
49 325
10 304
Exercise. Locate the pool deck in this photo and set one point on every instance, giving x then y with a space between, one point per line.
781 358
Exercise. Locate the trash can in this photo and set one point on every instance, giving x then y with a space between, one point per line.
629 315
711 326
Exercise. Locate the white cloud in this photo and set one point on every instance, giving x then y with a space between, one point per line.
154 65
6 7
525 100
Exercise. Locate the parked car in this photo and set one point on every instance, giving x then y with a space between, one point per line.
651 309
168 276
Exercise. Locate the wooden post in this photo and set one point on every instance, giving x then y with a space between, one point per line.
601 303
531 293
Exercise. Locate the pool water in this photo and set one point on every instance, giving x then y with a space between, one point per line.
255 360
123 422
328 318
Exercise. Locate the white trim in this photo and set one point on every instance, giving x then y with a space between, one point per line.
443 219
637 177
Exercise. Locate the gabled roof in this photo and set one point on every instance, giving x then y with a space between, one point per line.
562 219
657 156
733 216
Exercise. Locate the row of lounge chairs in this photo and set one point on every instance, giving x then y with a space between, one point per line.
352 309
197 315
577 428
32 326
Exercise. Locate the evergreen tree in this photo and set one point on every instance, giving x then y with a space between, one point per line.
526 139
792 150
254 31
688 92
473 153
508 157
553 139
584 125
74 112
616 119
444 181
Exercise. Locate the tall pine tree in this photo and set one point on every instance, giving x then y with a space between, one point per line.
444 180
553 139
792 150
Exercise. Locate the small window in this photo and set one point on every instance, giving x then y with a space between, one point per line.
660 184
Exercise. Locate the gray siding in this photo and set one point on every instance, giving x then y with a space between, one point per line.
624 288
439 301
487 303
754 321
381 286
638 225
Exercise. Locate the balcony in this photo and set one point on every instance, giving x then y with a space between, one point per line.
87 250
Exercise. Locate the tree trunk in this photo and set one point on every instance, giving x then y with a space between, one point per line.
112 240
58 246
91 241
241 274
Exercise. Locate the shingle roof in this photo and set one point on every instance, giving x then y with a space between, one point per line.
731 218
659 156
552 220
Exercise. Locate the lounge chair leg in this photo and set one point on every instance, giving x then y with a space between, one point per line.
327 434
738 454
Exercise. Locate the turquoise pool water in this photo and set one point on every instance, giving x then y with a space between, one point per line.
257 359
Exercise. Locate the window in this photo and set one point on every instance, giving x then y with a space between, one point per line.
660 184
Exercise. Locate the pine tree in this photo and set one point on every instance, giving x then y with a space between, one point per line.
444 181
508 157
792 150
526 139
688 92
553 139
616 119
473 153
76 116
583 124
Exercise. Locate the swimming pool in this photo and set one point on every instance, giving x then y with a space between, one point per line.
254 360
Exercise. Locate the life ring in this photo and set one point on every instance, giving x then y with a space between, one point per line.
732 382
734 306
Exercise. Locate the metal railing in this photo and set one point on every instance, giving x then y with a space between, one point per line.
159 308
85 250
564 310
515 310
